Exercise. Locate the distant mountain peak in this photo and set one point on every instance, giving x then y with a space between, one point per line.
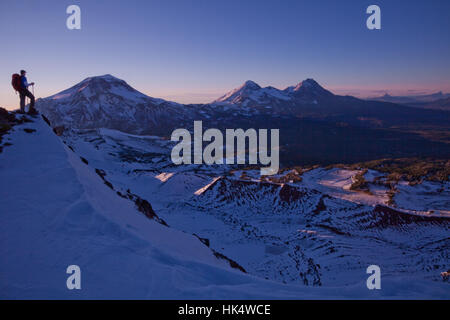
242 92
249 84
250 93
309 86
99 85
106 77
109 102
411 99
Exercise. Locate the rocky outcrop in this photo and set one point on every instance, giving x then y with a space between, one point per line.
142 205
8 120
384 217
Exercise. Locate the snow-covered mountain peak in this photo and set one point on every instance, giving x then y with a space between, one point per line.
107 77
109 102
239 94
250 93
251 85
308 83
97 86
309 86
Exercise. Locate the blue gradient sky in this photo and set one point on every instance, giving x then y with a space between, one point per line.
194 51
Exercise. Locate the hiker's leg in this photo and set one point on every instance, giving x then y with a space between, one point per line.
31 96
22 101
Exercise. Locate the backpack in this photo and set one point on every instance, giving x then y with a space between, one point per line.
16 82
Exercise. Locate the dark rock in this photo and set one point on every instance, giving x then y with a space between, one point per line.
205 241
290 194
84 160
232 263
102 175
46 120
59 130
384 217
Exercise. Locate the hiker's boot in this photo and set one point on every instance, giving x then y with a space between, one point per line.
33 112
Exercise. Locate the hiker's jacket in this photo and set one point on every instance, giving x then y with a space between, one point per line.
24 82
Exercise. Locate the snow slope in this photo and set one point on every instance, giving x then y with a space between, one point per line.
57 212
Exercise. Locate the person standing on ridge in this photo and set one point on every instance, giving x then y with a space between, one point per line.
24 92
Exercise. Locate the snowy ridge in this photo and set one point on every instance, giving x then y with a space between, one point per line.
251 93
69 216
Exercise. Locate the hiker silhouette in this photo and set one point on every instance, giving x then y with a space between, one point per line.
20 84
